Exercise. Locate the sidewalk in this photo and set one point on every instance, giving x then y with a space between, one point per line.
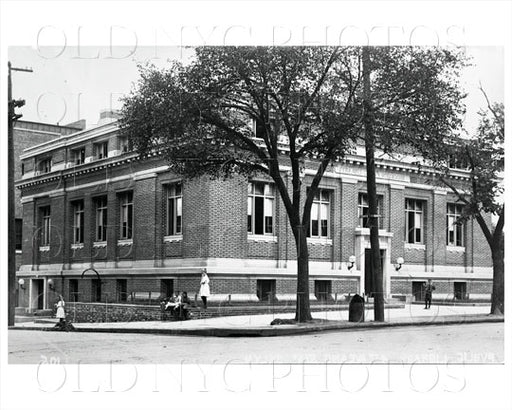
259 325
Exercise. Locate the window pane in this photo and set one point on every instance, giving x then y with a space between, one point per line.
324 194
314 227
259 188
268 206
324 227
130 221
324 211
258 217
170 217
324 216
410 227
178 206
459 235
178 224
82 227
417 220
249 214
268 224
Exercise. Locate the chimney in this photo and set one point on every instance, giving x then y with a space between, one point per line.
107 116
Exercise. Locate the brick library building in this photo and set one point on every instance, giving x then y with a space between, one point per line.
101 224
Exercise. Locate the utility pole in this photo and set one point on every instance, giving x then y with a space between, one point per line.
11 255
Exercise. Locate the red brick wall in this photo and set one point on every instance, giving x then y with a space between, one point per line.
349 219
397 224
144 205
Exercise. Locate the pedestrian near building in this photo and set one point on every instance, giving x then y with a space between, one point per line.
429 288
204 290
61 313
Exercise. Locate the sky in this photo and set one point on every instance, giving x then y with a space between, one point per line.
73 83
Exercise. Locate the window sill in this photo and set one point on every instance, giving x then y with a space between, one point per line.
173 238
320 241
99 244
18 251
125 242
262 238
419 246
45 248
77 245
456 249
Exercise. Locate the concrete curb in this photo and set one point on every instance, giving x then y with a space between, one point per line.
283 330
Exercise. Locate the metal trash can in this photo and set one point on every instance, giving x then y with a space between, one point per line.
356 309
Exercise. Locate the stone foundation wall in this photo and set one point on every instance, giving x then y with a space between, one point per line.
101 312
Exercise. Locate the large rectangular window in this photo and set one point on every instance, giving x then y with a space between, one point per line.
101 150
78 156
320 215
363 211
45 165
260 209
101 219
454 230
18 226
414 221
126 201
78 221
174 209
45 226
125 145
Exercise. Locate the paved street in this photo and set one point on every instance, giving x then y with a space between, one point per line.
469 343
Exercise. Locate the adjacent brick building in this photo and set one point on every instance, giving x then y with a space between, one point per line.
102 224
25 135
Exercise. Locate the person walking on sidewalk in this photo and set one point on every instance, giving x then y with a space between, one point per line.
204 290
61 313
429 288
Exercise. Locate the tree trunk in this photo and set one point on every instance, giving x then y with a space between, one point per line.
378 292
303 311
498 275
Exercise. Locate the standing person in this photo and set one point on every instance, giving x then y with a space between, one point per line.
429 288
204 290
61 314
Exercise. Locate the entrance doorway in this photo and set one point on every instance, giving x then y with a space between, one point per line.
73 290
37 294
266 289
460 290
323 289
418 291
369 279
122 290
166 288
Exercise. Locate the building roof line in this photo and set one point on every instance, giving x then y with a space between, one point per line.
64 140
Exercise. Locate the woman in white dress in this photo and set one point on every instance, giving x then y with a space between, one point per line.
204 290
61 314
